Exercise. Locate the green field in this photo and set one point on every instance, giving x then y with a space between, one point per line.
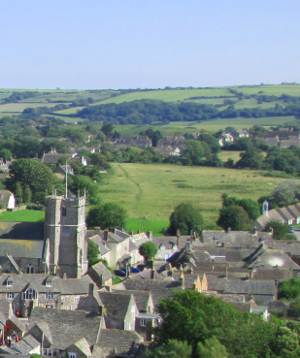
22 216
275 90
150 192
224 155
209 125
170 95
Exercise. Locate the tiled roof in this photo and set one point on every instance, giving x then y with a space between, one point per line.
116 341
141 298
67 327
116 304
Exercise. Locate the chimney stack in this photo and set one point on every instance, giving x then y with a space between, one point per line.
152 274
105 235
91 289
178 238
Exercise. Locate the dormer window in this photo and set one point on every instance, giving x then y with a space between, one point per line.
48 282
30 268
9 282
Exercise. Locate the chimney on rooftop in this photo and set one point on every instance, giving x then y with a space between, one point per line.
91 289
178 237
105 235
152 272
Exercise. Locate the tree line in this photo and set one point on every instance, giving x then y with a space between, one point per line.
152 111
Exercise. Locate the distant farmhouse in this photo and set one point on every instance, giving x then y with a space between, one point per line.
282 137
229 136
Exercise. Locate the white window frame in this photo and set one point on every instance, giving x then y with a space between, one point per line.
10 295
72 355
32 296
142 322
50 295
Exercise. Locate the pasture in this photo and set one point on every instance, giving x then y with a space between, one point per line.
149 192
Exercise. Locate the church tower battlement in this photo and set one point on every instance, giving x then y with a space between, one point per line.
65 230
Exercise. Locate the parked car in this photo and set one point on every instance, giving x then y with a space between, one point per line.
121 273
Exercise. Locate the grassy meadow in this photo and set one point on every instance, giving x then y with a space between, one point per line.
149 192
22 216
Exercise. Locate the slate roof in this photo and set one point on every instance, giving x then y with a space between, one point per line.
100 269
21 230
235 239
141 298
38 281
235 286
25 345
269 258
22 248
170 241
160 289
116 304
116 341
291 247
67 327
280 214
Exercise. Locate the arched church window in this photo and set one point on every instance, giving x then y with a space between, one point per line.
30 294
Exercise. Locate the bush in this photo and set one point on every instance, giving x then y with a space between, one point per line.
107 216
93 253
148 250
290 289
186 219
280 231
234 217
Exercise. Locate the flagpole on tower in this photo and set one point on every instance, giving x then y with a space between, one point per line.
66 193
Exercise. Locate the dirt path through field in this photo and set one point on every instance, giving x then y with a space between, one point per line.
138 195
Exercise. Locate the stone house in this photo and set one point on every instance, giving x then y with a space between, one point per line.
120 310
287 215
25 292
65 333
117 343
52 157
146 319
118 248
101 275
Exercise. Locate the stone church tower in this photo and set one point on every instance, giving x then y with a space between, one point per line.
65 233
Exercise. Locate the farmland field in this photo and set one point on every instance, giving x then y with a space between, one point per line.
149 192
213 125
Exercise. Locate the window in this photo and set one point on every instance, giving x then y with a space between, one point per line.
49 295
9 282
64 211
10 295
30 269
48 282
72 355
47 352
30 294
142 323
